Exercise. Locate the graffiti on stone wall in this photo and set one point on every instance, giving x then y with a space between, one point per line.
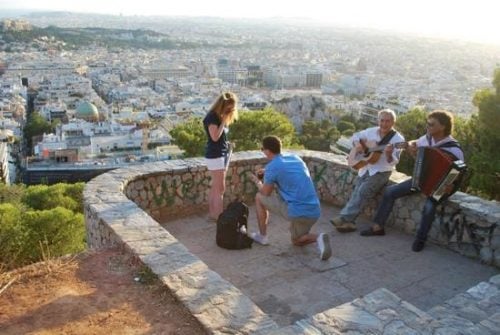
246 183
165 195
341 182
190 189
455 228
185 190
319 174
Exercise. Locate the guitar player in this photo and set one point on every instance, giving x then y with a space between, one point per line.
373 176
439 128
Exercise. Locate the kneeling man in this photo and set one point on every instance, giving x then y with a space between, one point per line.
295 198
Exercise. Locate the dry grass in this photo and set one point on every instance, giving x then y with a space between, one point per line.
95 292
37 271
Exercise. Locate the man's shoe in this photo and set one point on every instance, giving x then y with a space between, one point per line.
373 232
346 227
337 221
325 251
417 245
261 239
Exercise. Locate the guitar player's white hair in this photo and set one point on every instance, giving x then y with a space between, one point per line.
389 112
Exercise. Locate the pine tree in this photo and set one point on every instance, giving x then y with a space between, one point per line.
485 163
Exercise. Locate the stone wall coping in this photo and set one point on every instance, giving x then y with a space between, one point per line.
114 219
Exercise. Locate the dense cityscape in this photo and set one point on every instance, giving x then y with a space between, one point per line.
235 167
117 94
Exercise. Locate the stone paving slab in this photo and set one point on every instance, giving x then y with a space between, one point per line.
318 265
290 283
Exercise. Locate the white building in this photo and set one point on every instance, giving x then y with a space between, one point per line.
4 163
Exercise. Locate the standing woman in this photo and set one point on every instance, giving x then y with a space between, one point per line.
222 113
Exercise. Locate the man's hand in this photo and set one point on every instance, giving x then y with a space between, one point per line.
359 147
389 149
255 179
448 189
412 148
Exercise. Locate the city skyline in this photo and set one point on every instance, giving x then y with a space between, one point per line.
467 20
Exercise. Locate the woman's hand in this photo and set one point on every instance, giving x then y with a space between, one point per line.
224 120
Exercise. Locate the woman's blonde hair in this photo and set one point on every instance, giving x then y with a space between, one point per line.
220 103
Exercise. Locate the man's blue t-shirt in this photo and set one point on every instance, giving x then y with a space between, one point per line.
291 177
219 148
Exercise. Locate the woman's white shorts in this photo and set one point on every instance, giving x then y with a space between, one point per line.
214 164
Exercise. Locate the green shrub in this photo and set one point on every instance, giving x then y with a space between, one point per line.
43 197
39 222
13 235
50 233
75 192
11 193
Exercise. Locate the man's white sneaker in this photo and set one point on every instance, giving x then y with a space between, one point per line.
261 239
325 251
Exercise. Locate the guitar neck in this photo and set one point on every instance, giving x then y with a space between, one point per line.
382 147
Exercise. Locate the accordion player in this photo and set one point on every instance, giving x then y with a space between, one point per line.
434 170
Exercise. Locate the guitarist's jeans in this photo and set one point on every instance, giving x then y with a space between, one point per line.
396 191
365 189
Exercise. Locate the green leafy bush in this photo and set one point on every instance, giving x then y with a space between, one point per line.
39 222
11 193
54 232
42 197
12 235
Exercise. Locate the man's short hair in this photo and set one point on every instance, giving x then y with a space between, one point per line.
388 112
272 143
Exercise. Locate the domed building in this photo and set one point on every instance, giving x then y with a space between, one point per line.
87 111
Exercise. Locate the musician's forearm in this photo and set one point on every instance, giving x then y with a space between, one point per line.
393 159
394 162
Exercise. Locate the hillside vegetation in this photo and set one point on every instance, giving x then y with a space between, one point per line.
74 38
40 222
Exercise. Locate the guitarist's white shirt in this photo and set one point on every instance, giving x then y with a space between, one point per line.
382 165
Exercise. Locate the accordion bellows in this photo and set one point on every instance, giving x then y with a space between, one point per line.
434 170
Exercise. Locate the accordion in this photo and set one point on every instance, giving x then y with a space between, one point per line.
434 170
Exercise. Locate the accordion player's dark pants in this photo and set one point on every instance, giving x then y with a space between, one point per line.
393 192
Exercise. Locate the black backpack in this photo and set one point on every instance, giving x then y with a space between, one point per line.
229 223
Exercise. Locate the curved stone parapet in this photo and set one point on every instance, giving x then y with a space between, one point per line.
112 218
123 207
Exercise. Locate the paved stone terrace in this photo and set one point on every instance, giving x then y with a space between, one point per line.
290 283
271 287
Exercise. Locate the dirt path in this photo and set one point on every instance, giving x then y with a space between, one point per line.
102 292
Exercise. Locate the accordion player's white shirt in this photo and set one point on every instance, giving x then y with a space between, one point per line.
382 165
424 142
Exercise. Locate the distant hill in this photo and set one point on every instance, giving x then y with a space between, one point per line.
72 38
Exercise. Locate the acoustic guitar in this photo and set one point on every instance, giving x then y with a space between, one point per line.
371 153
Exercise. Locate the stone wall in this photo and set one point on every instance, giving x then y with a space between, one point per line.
179 188
171 189
123 207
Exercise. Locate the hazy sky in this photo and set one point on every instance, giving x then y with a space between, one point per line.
467 19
